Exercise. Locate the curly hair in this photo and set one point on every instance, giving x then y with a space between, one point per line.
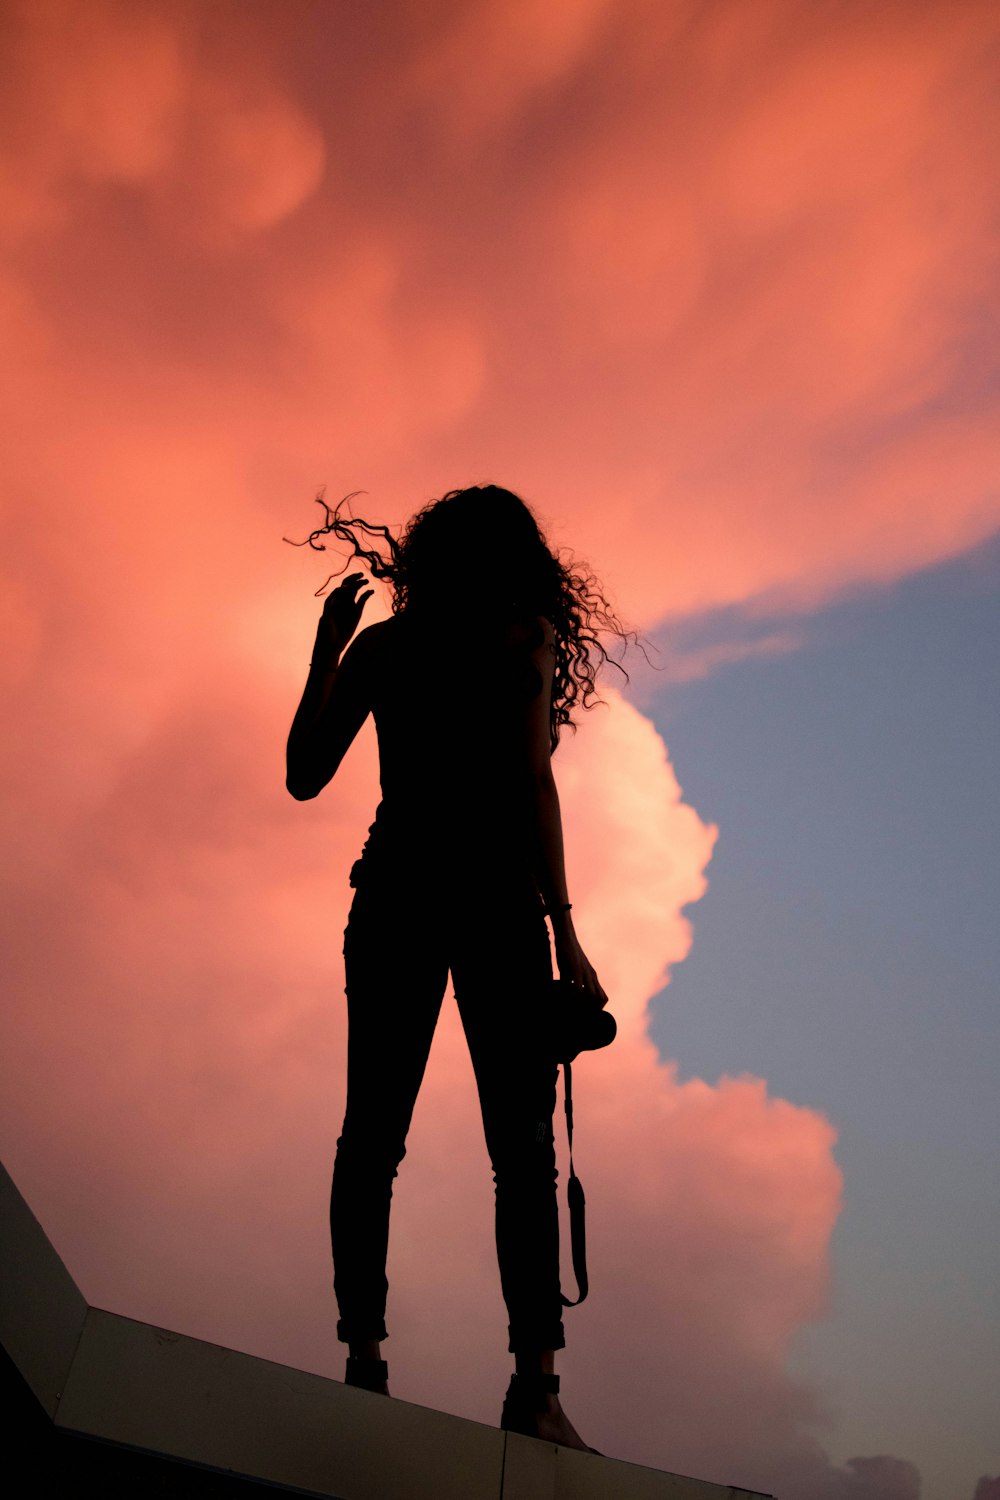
429 563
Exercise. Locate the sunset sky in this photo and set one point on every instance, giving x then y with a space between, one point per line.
713 284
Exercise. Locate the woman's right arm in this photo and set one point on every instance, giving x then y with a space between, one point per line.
546 820
336 699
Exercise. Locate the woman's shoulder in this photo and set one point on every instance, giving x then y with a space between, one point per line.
373 643
447 634
378 634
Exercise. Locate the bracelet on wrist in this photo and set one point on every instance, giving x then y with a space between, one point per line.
552 910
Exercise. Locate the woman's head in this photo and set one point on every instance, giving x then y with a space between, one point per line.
479 552
481 543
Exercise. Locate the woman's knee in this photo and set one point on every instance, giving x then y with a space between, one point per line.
524 1157
369 1145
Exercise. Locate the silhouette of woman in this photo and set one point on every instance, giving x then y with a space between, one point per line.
491 644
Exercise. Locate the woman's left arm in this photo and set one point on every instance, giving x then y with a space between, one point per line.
336 699
546 820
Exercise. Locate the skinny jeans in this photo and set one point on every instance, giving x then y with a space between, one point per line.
403 935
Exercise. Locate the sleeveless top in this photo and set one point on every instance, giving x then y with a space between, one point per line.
450 707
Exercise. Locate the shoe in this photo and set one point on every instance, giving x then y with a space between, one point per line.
367 1374
525 1401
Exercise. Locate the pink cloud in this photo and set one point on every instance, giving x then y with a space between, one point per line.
176 1083
485 65
178 1058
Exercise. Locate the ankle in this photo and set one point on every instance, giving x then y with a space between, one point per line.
535 1362
366 1349
535 1391
369 1374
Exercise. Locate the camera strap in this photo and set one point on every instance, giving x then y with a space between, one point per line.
577 1203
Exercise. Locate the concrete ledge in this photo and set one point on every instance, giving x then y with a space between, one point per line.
42 1310
108 1377
170 1394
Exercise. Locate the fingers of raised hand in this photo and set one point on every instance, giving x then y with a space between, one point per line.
346 593
351 586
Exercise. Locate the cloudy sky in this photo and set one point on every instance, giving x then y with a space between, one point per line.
713 284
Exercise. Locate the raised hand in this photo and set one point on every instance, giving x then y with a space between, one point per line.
342 611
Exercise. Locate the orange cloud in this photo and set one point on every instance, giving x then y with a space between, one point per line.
727 309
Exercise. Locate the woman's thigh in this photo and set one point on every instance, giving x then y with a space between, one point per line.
501 962
396 969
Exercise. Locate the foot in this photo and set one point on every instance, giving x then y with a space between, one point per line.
555 1427
367 1374
532 1408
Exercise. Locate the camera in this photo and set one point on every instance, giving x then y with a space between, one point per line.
573 1021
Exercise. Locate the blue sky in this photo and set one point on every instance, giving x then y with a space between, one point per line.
848 951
